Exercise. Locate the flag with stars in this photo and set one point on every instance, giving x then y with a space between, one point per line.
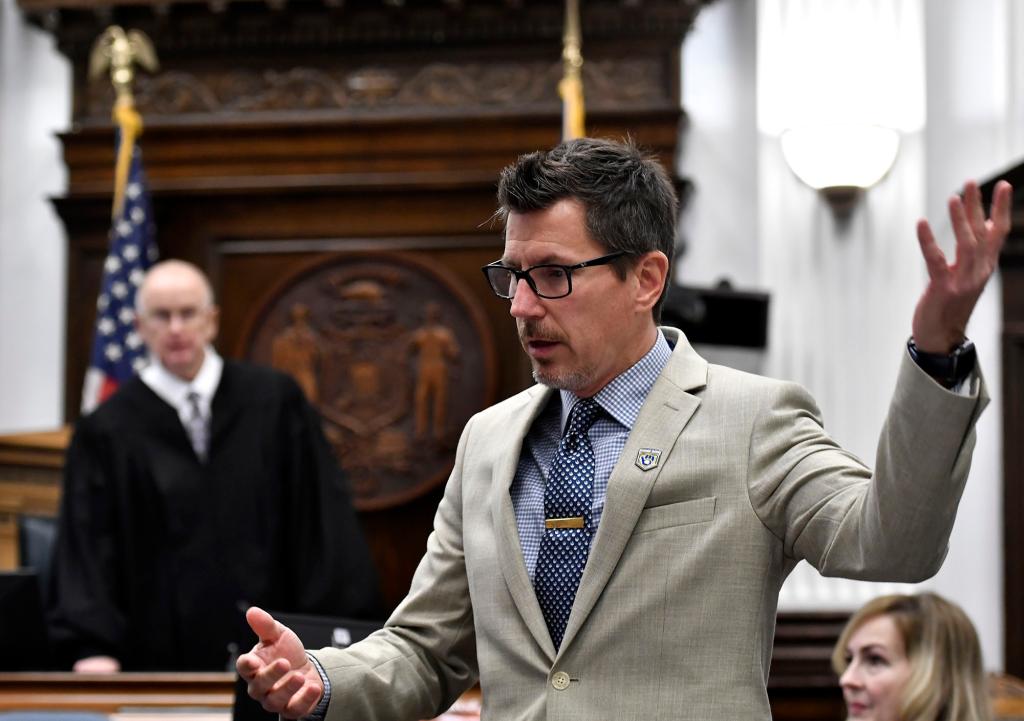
117 350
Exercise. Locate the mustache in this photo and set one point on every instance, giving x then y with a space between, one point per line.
532 330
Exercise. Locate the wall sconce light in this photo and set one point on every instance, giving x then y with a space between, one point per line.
840 161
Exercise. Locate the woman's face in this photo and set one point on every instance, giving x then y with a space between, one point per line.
877 671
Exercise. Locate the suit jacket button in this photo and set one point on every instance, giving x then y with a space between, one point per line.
560 680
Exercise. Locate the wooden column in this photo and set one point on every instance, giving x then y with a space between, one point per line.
1011 268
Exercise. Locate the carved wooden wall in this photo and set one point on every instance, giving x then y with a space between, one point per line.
332 165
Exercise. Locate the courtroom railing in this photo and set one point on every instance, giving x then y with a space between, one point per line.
111 693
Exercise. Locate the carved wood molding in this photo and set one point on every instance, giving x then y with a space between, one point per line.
375 58
352 25
302 155
380 90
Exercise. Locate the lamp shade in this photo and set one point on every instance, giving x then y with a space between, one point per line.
840 156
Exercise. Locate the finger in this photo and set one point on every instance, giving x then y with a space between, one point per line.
1002 203
934 258
263 625
303 703
282 693
975 210
966 241
248 664
267 678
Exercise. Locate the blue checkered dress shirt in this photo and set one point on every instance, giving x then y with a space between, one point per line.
621 400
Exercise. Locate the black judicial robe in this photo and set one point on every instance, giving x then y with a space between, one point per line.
156 552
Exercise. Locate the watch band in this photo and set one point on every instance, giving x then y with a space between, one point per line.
948 369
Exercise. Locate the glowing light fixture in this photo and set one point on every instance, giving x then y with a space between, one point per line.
840 160
839 83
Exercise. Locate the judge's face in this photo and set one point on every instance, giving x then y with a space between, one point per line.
583 340
177 318
877 671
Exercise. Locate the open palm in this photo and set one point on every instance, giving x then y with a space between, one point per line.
278 673
940 319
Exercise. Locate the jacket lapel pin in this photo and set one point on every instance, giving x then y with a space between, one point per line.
648 458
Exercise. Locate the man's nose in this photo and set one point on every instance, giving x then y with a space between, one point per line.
525 303
175 322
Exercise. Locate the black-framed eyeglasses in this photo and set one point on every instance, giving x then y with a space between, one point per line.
548 280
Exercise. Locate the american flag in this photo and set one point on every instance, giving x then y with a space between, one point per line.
117 350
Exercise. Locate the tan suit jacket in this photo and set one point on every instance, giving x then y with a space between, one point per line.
675 614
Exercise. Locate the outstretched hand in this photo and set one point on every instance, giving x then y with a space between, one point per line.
940 319
278 673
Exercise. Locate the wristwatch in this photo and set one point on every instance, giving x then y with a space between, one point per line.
948 369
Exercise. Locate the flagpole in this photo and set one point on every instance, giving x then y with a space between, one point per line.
117 350
120 51
571 85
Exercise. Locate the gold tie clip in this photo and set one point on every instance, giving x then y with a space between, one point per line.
574 522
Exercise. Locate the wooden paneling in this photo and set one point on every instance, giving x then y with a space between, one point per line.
1011 268
1013 462
802 684
282 135
113 693
148 695
30 468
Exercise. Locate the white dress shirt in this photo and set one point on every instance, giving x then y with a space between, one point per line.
175 390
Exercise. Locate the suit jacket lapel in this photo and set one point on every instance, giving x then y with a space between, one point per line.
509 547
665 413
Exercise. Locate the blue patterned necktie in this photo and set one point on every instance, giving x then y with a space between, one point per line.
567 527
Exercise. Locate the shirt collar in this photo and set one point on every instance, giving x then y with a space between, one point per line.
625 394
175 390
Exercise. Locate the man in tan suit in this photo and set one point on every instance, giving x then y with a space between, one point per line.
702 486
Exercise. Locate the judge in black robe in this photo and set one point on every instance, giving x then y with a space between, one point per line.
157 552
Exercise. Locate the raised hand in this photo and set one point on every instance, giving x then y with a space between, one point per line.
940 319
278 673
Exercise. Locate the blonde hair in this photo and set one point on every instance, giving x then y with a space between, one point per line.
947 679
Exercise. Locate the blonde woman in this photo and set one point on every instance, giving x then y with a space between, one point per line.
911 658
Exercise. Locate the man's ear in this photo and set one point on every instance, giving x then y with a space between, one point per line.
651 272
140 328
214 324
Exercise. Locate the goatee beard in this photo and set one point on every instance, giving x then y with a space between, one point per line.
568 380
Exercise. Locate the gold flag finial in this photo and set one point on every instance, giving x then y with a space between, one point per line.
571 85
120 51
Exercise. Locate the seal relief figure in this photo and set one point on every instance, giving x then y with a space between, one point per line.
395 357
